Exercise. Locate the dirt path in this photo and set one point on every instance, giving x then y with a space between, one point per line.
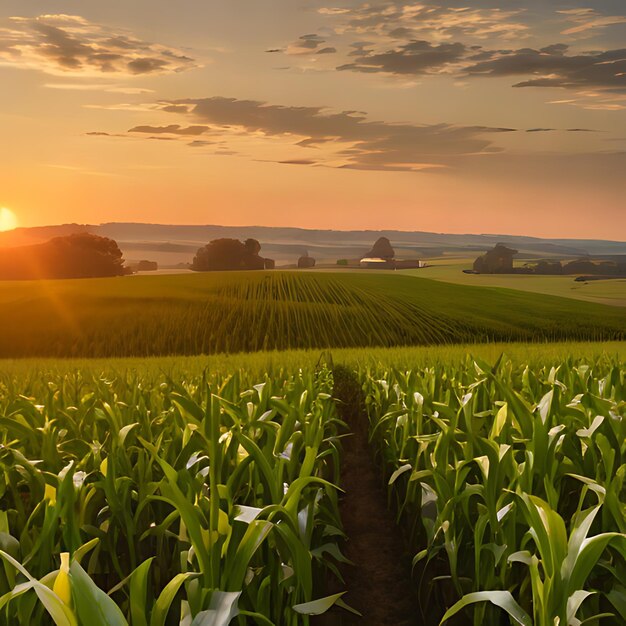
379 583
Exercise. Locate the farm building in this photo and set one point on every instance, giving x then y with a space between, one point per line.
376 263
390 264
382 257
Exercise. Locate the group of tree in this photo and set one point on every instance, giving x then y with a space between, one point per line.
496 261
583 266
79 255
499 260
306 262
382 249
230 254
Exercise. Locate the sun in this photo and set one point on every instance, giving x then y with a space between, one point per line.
8 219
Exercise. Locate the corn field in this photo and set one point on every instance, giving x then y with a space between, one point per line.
196 502
509 484
231 312
192 498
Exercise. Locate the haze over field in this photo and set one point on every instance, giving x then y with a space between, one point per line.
505 117
173 245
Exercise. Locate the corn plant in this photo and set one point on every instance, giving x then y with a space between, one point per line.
493 471
194 501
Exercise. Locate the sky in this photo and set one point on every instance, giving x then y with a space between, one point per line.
487 116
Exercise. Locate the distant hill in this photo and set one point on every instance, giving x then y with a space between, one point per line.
171 245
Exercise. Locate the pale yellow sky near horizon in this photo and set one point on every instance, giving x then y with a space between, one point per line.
488 116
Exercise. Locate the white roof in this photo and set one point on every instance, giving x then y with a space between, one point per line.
374 260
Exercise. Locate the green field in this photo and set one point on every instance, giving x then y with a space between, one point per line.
197 479
611 292
164 490
246 312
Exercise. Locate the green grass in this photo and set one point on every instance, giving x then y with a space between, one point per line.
245 312
612 292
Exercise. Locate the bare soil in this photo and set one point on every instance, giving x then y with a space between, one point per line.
379 581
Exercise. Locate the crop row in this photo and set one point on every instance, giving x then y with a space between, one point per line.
510 485
125 501
197 499
229 312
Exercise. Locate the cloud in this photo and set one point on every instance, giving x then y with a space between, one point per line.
70 44
416 57
109 88
346 139
566 130
400 38
306 44
595 101
587 20
172 129
414 20
550 67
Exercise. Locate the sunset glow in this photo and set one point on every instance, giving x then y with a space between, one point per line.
8 219
439 116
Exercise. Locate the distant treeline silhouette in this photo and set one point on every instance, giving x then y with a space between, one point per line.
80 255
230 254
499 260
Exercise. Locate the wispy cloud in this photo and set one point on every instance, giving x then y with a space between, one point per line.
550 66
414 58
70 44
346 139
588 21
109 88
554 66
171 129
407 20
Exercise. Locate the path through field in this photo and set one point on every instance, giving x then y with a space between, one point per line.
379 583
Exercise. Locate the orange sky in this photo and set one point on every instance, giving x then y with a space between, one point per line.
505 117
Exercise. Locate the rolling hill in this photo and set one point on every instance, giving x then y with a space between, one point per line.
229 312
174 244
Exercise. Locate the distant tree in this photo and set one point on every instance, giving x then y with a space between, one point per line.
220 254
252 260
229 254
83 255
597 268
80 255
499 260
382 249
306 261
252 246
546 267
342 261
146 266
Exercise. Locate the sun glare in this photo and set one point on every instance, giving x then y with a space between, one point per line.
8 219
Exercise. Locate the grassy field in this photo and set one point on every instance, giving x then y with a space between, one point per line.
245 312
612 292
